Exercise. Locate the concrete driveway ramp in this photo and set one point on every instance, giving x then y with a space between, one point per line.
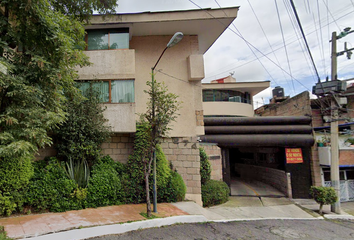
242 187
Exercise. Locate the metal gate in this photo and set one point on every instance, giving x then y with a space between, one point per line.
346 183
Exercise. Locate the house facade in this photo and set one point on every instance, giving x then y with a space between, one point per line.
123 48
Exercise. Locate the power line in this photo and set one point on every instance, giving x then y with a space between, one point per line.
249 44
297 33
304 37
286 50
321 38
265 35
288 43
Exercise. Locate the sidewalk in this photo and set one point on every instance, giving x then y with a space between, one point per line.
38 224
89 223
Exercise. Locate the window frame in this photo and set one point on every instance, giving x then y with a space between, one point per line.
119 30
109 89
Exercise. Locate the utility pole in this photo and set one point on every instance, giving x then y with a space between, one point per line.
334 88
334 130
335 180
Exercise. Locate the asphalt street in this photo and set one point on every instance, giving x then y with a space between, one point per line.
262 229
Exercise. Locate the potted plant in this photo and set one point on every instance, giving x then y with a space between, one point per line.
324 141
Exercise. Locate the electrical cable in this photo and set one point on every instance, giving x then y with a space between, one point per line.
298 35
248 43
304 37
321 38
265 35
288 43
331 15
285 48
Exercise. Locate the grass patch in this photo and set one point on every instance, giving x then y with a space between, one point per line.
145 215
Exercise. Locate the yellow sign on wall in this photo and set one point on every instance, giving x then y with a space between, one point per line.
293 155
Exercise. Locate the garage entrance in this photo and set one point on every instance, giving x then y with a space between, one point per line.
254 149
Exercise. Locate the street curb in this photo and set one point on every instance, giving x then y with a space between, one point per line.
90 232
334 216
270 218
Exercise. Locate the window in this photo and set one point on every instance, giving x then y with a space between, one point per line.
104 39
226 96
112 91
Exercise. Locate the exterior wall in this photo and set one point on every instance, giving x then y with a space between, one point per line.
184 155
317 120
228 108
109 64
315 167
299 105
274 177
121 116
174 74
119 147
45 152
214 153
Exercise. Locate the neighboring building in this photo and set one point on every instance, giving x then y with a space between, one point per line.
226 97
319 111
124 47
255 147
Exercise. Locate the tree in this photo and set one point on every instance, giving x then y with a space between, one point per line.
323 196
37 61
81 136
162 109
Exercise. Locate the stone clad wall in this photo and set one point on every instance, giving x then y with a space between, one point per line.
214 153
183 152
119 147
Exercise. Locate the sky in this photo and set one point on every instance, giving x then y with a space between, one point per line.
265 43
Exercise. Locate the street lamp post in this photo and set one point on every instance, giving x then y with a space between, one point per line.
176 38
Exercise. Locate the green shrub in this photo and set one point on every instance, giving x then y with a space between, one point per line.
135 166
215 192
323 196
15 175
84 130
163 170
205 167
51 189
175 190
7 204
105 185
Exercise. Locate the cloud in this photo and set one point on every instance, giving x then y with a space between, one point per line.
230 52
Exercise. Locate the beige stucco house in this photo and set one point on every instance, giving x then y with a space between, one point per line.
124 47
227 97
